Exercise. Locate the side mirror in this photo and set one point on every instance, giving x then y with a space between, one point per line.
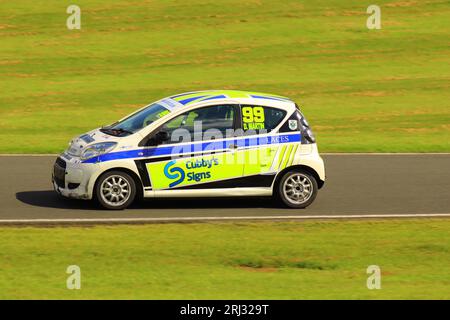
158 138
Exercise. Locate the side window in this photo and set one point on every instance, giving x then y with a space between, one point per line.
258 119
200 124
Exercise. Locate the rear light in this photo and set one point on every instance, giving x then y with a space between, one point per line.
305 122
309 135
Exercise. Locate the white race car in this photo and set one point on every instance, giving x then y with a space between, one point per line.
197 144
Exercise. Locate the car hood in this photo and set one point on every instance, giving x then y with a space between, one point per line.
78 144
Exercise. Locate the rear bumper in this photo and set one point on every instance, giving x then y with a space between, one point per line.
315 162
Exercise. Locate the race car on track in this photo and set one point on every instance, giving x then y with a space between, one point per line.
197 144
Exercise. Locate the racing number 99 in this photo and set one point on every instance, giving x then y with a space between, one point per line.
253 114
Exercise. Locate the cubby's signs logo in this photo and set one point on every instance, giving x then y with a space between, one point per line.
200 164
197 170
174 173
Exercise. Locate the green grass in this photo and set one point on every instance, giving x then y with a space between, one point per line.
363 90
230 260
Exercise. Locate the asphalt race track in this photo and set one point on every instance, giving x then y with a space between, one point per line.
357 186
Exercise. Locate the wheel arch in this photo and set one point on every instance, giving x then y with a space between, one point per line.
131 173
308 169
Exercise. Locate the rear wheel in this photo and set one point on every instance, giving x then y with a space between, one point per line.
297 189
115 190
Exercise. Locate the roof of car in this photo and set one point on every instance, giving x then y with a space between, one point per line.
190 98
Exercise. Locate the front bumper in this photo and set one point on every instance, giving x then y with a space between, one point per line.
72 179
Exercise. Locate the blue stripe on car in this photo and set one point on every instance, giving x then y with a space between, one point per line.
215 97
182 94
186 101
196 147
268 98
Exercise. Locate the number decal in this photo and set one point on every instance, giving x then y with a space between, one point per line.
247 114
258 114
253 118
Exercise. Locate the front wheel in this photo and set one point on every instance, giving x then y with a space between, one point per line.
115 190
297 189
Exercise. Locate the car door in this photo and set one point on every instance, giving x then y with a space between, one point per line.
203 151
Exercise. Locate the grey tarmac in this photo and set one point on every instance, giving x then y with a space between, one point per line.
358 185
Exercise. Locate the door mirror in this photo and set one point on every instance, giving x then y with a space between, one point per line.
159 138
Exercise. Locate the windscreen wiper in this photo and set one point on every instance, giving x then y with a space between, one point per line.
121 130
116 131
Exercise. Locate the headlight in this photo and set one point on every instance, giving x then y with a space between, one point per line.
97 149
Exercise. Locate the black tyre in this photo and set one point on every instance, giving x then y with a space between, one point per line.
115 190
297 189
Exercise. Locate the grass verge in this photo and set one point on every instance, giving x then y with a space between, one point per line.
283 260
362 90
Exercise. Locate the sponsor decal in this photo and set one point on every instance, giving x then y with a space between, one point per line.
278 139
193 171
87 138
174 173
293 124
73 150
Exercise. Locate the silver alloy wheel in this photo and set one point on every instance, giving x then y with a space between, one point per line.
298 188
115 190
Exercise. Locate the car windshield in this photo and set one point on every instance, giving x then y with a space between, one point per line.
137 121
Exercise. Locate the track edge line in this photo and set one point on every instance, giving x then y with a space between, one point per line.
208 219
